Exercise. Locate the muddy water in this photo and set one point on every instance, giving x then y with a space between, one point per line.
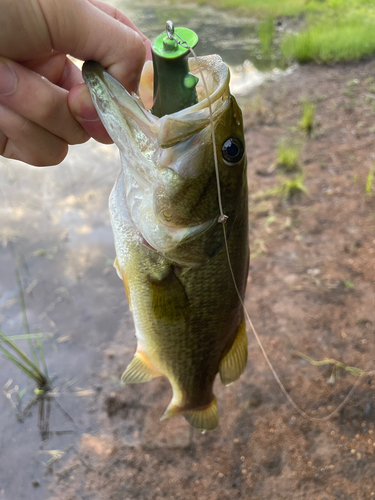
54 228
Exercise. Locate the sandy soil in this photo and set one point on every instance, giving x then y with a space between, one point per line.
311 288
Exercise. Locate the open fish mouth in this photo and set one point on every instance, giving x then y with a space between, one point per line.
167 162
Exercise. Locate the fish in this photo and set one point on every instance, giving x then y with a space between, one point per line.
170 244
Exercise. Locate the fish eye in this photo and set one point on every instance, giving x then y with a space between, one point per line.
232 150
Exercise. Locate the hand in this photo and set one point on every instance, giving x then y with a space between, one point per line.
44 104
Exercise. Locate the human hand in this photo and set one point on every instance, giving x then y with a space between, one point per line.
44 106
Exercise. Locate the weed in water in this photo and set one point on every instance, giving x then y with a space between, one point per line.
307 121
24 363
287 156
30 366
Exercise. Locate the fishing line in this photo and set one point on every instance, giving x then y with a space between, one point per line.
222 219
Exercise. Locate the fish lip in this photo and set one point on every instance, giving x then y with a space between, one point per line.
91 68
106 91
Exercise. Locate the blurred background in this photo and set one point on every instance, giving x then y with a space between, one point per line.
304 74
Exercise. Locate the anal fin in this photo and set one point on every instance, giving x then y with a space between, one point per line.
139 370
234 362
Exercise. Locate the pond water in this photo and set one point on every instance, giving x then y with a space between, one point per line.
235 37
54 229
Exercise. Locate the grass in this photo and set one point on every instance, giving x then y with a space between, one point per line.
332 31
336 365
348 284
307 121
19 358
265 33
267 7
290 188
287 156
333 39
31 366
369 181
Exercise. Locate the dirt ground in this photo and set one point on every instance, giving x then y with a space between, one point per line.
311 288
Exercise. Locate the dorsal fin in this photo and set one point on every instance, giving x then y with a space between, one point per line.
234 362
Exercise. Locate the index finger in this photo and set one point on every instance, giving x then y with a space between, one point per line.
91 29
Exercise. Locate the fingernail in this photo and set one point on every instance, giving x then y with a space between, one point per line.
87 112
8 79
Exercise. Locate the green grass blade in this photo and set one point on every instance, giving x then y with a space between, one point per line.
34 336
42 358
25 320
22 367
31 366
369 181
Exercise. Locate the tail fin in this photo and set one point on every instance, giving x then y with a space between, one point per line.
204 419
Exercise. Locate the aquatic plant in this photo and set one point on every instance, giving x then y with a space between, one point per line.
29 365
23 361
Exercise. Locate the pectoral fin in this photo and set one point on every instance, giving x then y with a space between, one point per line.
117 267
234 362
121 275
169 300
139 370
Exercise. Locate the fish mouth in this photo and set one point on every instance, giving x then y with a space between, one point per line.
145 140
116 107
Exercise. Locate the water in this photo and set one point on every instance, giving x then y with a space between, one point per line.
235 37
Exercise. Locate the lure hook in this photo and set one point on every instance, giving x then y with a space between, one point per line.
170 29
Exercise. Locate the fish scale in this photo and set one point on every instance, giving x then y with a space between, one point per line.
187 314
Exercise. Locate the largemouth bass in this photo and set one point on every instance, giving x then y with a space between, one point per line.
170 246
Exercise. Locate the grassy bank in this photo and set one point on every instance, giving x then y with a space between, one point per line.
268 7
331 30
333 38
